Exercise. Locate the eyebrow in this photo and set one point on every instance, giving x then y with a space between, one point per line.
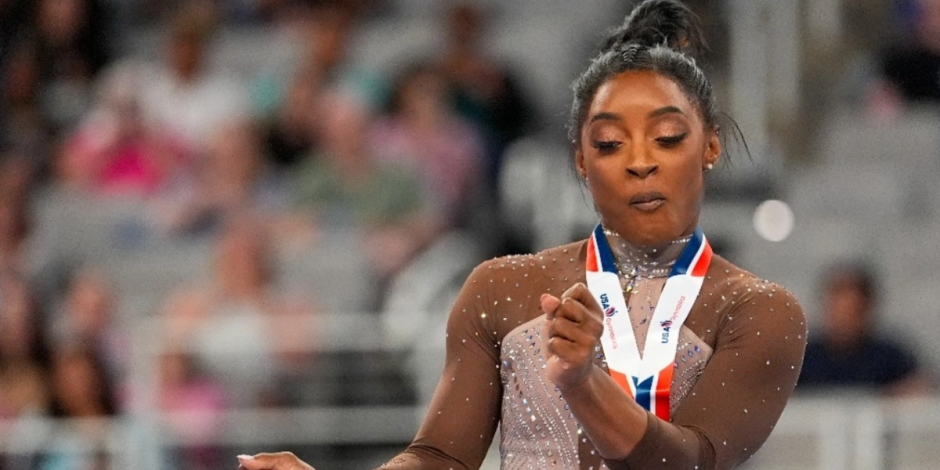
605 116
665 110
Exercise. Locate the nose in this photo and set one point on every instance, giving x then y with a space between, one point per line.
642 168
642 171
640 164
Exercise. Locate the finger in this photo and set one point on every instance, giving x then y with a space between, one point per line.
571 309
257 462
587 321
583 295
278 461
564 328
549 304
568 353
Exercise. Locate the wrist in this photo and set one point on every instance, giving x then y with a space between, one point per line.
582 386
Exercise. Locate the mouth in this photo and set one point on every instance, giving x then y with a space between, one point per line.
648 202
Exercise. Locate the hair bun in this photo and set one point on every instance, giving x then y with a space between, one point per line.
659 23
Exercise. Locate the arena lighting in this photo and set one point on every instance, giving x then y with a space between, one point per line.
773 220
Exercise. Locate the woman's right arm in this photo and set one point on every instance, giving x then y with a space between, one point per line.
463 415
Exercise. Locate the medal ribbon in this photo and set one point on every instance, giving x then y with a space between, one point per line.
646 377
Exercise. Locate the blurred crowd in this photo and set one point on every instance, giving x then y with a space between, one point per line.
186 153
108 154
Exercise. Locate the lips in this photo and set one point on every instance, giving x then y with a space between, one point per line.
648 201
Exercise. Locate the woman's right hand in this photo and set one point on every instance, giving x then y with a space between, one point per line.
278 461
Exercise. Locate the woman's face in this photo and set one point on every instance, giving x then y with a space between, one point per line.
643 150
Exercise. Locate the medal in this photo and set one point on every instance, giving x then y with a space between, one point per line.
648 377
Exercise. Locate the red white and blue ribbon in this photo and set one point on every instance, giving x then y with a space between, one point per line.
646 376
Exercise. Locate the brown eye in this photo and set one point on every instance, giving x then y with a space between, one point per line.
605 146
671 140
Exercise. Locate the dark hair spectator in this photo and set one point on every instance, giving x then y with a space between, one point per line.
81 390
910 69
343 184
116 151
422 131
72 45
183 94
850 351
15 219
88 316
485 92
286 97
232 180
24 127
81 386
22 325
235 323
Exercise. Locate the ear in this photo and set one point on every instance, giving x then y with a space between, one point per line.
579 163
712 149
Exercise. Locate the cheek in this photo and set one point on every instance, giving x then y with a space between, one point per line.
687 181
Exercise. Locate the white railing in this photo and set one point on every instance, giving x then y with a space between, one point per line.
832 433
838 431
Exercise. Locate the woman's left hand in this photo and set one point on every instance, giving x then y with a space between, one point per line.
572 327
278 461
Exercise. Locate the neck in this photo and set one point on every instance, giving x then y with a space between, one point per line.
646 261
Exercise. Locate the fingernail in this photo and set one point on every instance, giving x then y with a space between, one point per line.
245 457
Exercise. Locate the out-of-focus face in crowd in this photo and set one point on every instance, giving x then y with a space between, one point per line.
79 384
847 313
20 328
241 260
61 21
89 303
928 23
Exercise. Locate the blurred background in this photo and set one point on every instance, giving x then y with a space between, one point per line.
232 226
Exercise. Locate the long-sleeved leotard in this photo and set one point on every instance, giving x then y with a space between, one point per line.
739 356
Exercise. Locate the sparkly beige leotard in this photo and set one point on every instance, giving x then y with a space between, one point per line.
739 357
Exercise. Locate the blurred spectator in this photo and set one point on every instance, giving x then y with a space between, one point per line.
24 129
13 14
72 46
850 352
289 134
194 406
343 184
485 92
232 180
115 151
235 324
87 316
252 11
24 397
286 97
911 70
24 387
14 216
80 389
183 95
424 133
22 327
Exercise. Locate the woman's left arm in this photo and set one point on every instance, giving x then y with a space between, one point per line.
723 420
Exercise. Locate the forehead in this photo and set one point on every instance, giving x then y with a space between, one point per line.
640 92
